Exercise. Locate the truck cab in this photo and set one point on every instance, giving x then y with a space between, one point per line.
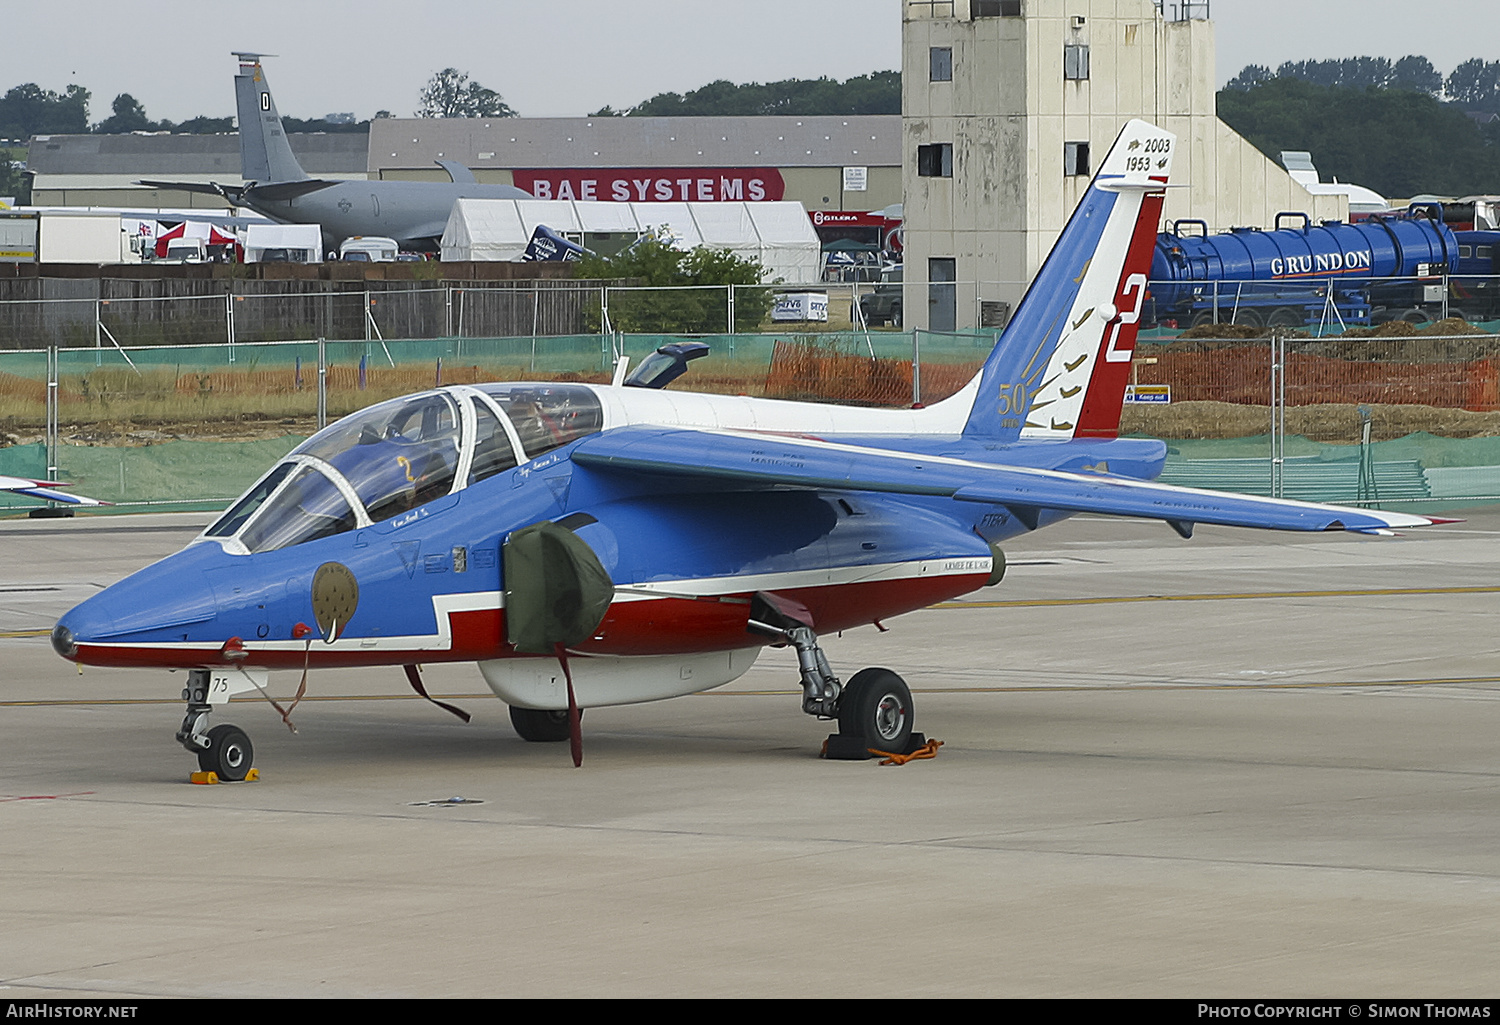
369 249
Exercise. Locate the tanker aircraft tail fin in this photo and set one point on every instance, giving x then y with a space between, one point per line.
265 154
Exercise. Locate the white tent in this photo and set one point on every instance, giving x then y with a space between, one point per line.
485 229
787 241
303 242
780 235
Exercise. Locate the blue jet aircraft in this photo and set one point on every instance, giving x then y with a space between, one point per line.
44 489
600 545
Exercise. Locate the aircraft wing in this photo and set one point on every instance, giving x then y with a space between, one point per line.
744 459
232 193
277 191
41 489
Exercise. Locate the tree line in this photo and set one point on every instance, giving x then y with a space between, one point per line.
1474 84
1397 127
28 109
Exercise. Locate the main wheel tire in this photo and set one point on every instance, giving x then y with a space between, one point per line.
1202 317
540 725
876 705
1285 316
895 318
1416 315
1248 318
229 754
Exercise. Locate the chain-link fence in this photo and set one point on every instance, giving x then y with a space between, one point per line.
1374 420
1381 413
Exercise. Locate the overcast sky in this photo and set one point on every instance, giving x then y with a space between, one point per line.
559 59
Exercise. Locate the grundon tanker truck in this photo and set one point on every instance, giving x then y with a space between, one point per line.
1402 266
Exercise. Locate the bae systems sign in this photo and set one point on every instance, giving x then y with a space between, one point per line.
656 185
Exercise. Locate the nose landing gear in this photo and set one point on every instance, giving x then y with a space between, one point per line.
224 750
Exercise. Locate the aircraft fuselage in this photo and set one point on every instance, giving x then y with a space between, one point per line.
685 561
412 213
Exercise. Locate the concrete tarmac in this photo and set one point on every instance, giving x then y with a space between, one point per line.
1243 764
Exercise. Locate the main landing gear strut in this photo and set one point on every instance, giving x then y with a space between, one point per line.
874 709
224 749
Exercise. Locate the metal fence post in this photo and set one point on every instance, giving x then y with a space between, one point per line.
52 404
916 367
98 327
729 324
448 310
322 385
1278 412
229 322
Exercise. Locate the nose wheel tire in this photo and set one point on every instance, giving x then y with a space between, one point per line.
541 725
229 754
876 705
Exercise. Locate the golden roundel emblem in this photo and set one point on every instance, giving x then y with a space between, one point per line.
335 594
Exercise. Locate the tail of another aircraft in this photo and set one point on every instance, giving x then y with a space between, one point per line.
1060 367
265 155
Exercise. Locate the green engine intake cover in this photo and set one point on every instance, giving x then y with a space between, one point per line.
556 590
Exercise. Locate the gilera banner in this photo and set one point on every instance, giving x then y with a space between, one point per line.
655 185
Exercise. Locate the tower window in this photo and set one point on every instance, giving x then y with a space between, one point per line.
935 160
940 64
1075 159
1075 63
995 8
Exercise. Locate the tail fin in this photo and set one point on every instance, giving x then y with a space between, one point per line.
265 155
1060 367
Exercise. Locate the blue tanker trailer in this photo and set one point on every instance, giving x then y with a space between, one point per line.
1388 267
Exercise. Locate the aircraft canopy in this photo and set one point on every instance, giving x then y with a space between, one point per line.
397 455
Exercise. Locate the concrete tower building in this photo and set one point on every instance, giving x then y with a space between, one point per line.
1008 108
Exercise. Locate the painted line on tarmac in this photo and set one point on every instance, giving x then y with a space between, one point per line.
1126 687
1456 681
24 633
1237 596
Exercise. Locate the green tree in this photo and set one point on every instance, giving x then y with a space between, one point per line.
449 93
1476 84
128 116
201 125
28 110
1250 76
1417 74
876 93
654 263
14 181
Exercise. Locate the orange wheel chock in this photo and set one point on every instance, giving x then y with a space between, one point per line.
927 750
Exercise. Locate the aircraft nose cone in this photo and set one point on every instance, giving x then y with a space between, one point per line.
62 641
158 604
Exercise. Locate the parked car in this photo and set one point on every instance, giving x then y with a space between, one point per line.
883 305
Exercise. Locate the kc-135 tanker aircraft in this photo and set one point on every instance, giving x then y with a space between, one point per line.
600 545
412 213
